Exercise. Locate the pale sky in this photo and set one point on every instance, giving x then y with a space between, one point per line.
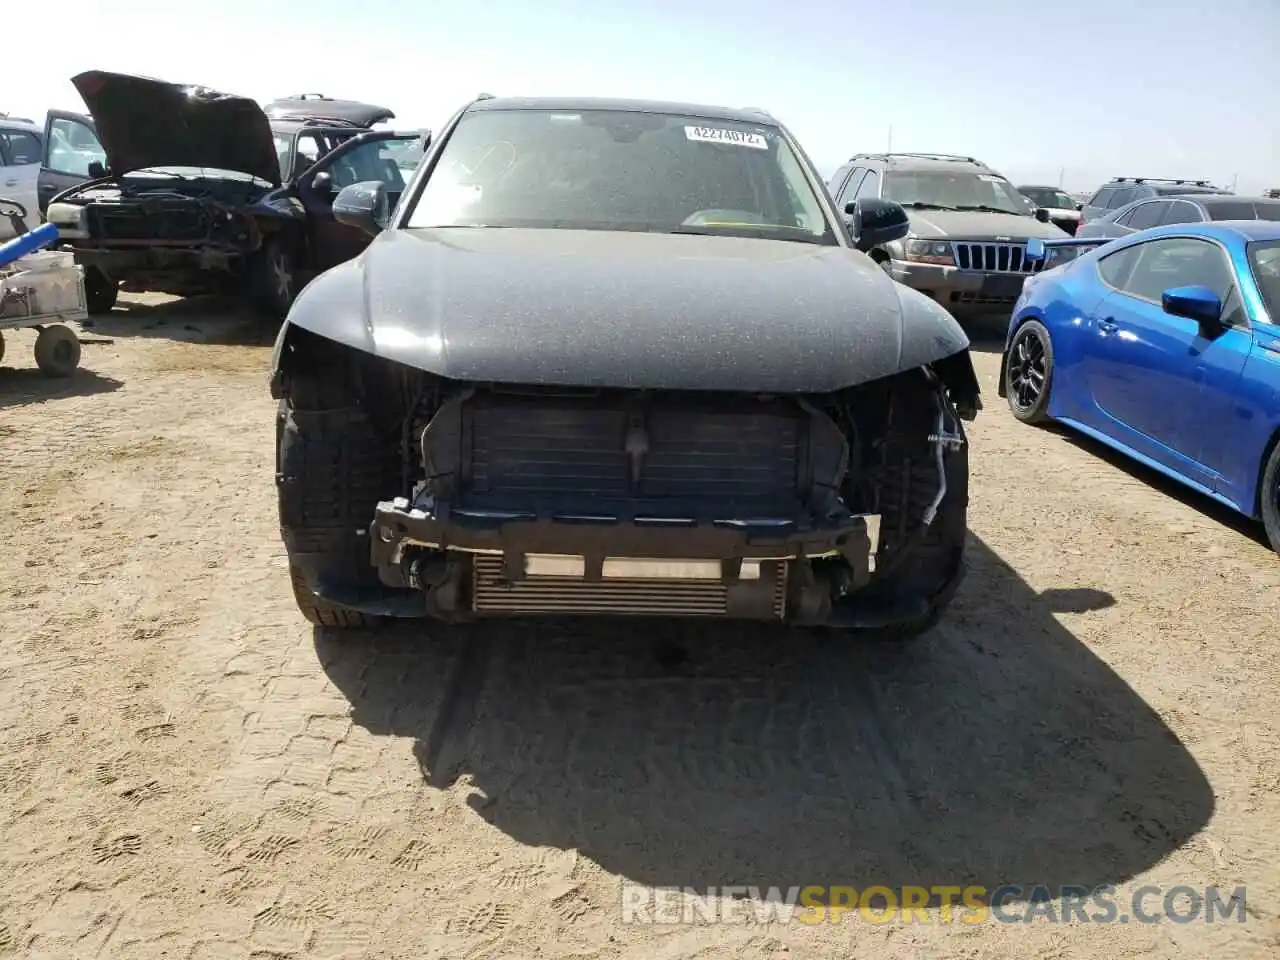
1096 88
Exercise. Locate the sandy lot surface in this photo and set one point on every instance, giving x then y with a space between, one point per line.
188 770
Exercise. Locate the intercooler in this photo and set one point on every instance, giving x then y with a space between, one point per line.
666 595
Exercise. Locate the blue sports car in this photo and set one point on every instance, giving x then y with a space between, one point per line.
1165 345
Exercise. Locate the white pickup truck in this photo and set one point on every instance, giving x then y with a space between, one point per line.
36 163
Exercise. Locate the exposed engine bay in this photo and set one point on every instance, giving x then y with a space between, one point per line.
157 209
536 500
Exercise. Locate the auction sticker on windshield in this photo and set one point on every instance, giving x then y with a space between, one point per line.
738 138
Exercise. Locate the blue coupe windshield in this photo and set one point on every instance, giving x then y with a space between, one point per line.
1264 260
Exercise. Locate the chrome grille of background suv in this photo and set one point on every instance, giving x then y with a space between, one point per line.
993 257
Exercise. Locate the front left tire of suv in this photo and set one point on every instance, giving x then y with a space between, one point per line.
332 469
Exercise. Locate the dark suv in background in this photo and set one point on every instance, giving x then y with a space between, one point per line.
966 247
1122 191
1193 208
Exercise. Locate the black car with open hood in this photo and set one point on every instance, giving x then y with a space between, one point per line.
144 123
621 357
203 192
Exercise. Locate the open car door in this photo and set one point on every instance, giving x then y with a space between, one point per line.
71 147
383 155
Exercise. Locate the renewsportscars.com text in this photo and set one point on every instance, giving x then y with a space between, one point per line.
936 904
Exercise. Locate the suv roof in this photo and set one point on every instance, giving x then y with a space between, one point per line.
922 161
317 109
1162 187
743 114
1159 180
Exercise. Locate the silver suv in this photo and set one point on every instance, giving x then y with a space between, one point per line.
966 247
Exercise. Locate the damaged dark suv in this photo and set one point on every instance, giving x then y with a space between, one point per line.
202 192
620 357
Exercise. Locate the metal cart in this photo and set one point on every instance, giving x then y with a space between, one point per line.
43 289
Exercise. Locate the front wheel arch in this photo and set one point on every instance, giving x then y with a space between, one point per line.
1267 497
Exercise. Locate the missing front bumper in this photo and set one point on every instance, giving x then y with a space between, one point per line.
487 563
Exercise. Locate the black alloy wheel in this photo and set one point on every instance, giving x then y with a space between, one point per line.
1029 372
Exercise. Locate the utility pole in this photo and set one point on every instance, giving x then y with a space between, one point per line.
1062 174
890 147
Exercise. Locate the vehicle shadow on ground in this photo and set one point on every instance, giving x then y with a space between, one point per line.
28 385
1159 483
986 332
1000 750
224 321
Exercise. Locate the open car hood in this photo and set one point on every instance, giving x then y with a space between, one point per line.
142 122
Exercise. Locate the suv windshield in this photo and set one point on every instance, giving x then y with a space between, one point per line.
1264 261
1046 197
620 170
954 190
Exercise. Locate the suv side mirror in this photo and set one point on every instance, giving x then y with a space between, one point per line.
1079 206
875 222
363 206
97 169
1042 214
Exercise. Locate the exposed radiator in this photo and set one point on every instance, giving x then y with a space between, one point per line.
176 219
636 597
583 451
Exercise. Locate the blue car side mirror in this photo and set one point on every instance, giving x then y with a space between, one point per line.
1195 302
1036 250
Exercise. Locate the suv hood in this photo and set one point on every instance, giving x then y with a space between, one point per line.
624 309
978 224
143 123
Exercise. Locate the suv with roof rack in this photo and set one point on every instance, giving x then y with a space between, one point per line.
1122 191
966 247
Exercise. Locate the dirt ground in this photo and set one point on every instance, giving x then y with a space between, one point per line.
188 770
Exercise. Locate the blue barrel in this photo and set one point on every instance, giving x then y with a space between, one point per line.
38 238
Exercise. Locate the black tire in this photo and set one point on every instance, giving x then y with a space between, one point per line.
331 471
321 613
57 351
273 277
915 563
1269 495
100 291
1028 376
934 562
1 346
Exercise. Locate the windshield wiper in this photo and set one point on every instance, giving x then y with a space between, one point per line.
922 205
983 208
761 231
